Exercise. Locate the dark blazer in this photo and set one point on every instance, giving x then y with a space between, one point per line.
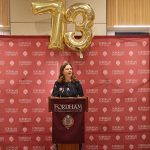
67 89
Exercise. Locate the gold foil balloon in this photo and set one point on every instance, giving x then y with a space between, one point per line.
84 27
57 20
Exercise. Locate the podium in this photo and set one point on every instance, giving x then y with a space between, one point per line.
68 120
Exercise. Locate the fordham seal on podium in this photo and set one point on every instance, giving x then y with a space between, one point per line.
68 121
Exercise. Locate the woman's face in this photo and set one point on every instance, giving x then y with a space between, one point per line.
67 72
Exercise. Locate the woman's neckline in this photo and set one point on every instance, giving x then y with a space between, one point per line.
68 81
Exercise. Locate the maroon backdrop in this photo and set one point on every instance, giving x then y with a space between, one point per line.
115 76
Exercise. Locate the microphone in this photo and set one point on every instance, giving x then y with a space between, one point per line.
61 91
57 92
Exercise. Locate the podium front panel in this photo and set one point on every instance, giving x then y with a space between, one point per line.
68 121
68 128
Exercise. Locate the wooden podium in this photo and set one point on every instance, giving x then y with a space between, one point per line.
68 121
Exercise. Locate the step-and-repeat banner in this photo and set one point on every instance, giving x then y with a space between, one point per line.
114 74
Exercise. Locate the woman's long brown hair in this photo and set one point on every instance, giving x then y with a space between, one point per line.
61 77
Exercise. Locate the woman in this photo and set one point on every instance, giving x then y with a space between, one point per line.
67 85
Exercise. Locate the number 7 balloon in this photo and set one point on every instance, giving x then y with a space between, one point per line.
57 22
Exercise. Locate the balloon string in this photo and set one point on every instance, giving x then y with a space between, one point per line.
81 55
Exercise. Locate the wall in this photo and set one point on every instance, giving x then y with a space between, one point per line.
128 12
24 22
